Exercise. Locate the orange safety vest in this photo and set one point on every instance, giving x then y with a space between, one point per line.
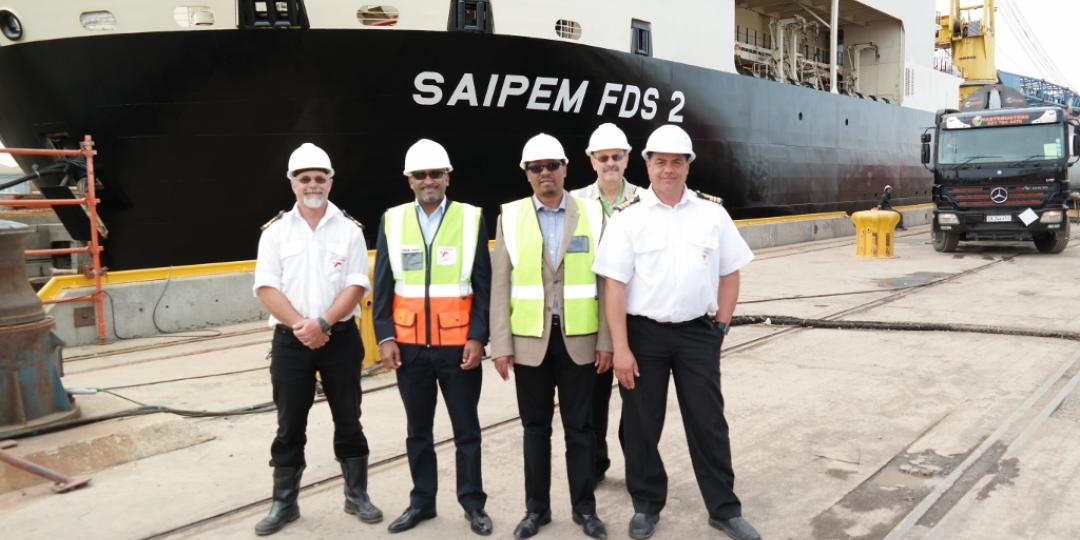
432 284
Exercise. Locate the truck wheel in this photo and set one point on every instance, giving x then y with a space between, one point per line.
945 241
1053 242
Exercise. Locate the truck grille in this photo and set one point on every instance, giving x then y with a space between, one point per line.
998 195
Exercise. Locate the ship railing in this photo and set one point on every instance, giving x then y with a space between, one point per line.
90 202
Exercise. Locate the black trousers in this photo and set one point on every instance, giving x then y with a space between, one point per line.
601 408
423 373
535 395
691 352
292 373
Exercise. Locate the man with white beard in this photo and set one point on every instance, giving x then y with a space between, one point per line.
311 272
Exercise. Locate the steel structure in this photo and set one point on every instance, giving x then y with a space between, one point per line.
1040 92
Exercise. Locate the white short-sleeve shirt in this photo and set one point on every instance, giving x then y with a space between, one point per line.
311 267
671 258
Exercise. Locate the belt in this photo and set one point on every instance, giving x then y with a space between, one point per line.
339 326
681 324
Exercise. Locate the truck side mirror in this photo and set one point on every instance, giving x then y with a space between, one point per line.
925 153
1076 141
925 138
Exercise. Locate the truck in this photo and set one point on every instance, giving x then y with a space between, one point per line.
1001 173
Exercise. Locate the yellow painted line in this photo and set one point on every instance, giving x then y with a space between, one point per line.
787 219
923 206
59 284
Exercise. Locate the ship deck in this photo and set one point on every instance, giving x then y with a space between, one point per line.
836 433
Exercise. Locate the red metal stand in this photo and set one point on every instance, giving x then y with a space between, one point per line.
87 152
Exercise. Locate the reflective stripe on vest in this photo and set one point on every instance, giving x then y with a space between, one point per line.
449 291
525 245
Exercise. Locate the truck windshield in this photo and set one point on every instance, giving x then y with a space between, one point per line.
1000 144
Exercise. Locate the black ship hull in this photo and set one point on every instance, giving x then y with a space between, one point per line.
194 129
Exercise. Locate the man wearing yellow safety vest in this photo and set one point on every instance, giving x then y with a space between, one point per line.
609 154
432 291
547 325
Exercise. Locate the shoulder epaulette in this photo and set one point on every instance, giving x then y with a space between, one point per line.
352 219
628 203
708 197
272 220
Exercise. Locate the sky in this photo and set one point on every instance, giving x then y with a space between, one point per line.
1054 23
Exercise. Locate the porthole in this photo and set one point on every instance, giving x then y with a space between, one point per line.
11 26
98 21
192 16
378 15
567 29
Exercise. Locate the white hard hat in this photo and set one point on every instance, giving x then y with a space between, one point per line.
607 137
542 146
308 156
669 139
425 155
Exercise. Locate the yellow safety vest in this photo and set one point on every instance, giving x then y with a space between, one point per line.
432 285
525 245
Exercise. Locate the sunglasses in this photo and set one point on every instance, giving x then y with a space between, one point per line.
537 168
614 157
307 179
424 175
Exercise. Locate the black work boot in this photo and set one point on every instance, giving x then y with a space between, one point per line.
284 509
356 498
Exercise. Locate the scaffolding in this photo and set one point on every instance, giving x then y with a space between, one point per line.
90 203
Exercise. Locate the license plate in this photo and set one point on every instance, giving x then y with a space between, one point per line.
999 219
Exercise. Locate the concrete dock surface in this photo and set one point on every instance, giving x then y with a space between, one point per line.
836 433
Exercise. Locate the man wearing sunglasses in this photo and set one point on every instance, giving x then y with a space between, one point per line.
432 292
547 325
609 153
310 274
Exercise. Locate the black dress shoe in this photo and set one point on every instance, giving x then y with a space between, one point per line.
591 525
643 525
736 527
479 521
531 523
410 518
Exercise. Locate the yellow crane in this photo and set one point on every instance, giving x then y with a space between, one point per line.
970 37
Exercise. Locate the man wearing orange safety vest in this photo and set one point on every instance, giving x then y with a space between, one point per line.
432 290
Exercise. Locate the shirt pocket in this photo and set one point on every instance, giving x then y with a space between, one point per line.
292 261
649 260
337 257
703 248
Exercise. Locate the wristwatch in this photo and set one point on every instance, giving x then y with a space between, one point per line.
721 326
324 325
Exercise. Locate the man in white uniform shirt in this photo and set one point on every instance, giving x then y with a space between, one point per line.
310 274
609 154
671 261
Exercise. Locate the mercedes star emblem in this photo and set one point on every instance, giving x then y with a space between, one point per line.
999 195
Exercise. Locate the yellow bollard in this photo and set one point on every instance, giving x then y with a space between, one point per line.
874 233
367 319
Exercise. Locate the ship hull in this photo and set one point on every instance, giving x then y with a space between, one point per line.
194 129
